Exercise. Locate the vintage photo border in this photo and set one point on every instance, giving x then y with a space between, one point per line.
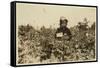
13 32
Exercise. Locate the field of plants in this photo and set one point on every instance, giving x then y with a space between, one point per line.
40 46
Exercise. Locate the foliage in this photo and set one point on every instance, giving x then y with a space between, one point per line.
40 46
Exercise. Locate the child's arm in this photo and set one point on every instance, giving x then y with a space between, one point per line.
69 34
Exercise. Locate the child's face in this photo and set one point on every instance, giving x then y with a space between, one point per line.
64 24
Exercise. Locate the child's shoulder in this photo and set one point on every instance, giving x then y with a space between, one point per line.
58 28
67 28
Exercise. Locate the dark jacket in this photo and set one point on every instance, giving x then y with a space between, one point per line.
65 31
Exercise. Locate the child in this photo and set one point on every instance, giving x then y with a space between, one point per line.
63 31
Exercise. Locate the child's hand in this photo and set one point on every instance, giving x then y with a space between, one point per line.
65 37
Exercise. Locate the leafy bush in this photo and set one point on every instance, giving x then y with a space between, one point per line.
40 46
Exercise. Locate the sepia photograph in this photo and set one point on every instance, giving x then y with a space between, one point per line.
50 33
